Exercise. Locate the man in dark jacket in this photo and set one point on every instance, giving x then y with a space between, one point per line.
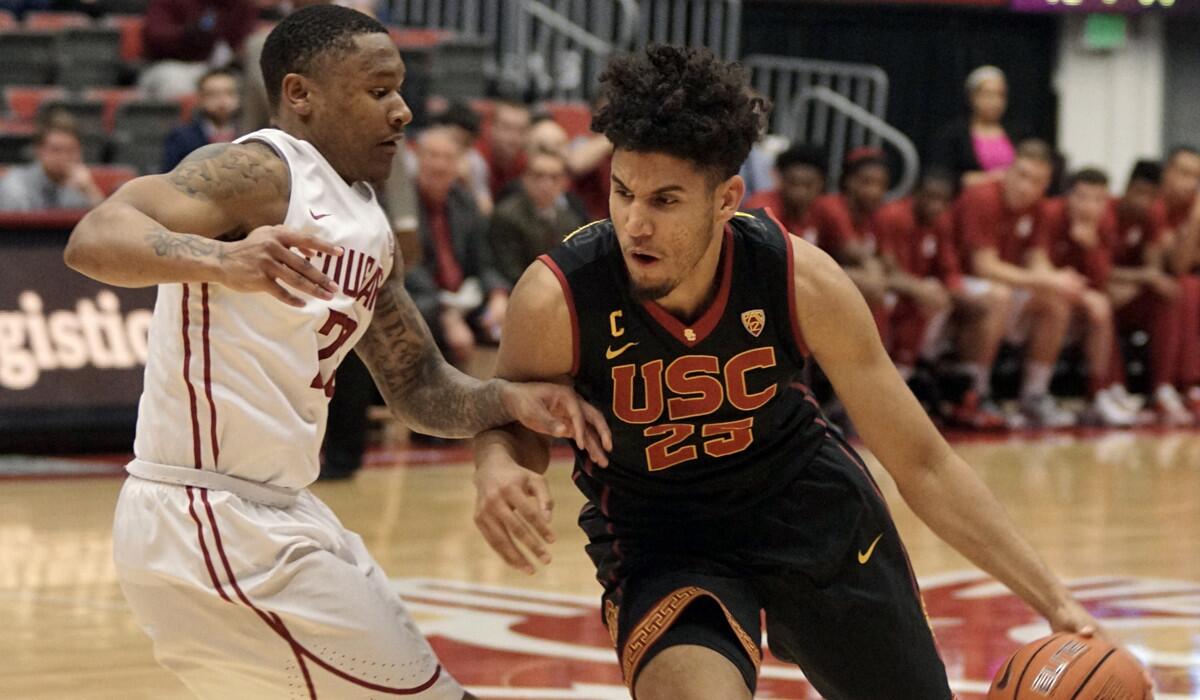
456 287
213 121
535 217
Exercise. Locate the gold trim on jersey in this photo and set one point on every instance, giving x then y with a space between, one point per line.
746 215
659 620
581 229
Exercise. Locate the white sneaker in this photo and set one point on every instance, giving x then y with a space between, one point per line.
1130 402
1044 412
1170 406
1108 411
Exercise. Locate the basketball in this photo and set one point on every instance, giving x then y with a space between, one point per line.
1071 667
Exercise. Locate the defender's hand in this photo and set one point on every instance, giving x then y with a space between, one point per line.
260 261
554 409
511 504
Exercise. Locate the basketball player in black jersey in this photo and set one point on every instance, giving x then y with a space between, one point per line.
725 494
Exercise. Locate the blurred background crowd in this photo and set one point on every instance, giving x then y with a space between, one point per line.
1013 286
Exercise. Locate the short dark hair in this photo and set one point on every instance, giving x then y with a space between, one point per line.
1088 176
1180 150
56 120
220 71
803 154
863 157
683 102
458 113
1146 171
304 36
1036 149
938 173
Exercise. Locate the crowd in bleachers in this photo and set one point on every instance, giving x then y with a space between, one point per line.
981 262
980 282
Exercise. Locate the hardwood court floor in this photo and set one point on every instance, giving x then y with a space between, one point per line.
1117 514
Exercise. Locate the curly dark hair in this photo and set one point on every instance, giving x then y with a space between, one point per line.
295 44
683 102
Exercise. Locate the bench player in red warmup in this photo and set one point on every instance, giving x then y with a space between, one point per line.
687 323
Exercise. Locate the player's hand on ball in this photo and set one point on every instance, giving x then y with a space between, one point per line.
260 261
513 504
1073 617
554 409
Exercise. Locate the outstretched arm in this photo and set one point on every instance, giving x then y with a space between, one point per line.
191 225
513 502
429 394
939 486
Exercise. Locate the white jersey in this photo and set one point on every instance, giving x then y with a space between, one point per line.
240 383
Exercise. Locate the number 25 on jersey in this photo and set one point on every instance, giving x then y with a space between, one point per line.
691 387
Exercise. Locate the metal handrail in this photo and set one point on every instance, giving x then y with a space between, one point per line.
774 77
561 23
836 101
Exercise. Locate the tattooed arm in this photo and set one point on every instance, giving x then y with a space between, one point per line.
431 396
212 219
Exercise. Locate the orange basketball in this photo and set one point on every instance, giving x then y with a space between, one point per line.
1067 666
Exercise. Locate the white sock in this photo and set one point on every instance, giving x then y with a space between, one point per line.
934 329
1037 379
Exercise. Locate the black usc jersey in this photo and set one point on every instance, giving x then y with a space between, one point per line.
708 418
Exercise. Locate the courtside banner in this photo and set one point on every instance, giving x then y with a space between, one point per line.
67 343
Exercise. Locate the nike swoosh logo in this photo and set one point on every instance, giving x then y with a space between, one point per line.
864 557
317 217
611 354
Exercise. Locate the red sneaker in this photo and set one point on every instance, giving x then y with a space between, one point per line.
972 413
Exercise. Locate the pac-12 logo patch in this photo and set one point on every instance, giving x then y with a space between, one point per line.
754 320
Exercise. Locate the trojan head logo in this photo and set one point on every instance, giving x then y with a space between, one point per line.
754 321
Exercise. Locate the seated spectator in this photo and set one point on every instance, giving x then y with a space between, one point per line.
978 149
800 179
1178 208
183 38
473 173
758 170
213 120
533 219
456 287
547 136
923 269
844 226
57 179
1080 237
996 230
505 146
1148 298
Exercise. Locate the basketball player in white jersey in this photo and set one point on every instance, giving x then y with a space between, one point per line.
272 258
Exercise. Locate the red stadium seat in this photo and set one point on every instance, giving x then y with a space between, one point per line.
109 177
23 102
53 21
112 98
131 27
574 117
418 38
